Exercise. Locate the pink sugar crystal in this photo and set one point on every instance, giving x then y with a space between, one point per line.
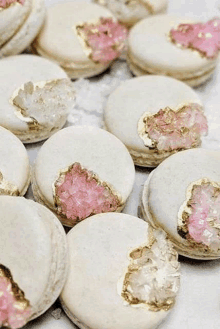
11 315
7 3
204 219
105 39
171 130
204 37
79 194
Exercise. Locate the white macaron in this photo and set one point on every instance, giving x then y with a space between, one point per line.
155 116
35 97
121 274
81 171
33 260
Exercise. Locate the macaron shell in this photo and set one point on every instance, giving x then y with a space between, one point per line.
152 50
14 161
58 37
95 149
12 18
165 192
27 32
136 96
100 247
15 71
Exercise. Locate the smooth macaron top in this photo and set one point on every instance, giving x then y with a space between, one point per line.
93 153
58 39
14 164
150 48
15 72
99 258
127 104
167 195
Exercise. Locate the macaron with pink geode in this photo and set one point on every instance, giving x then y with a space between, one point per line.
155 117
81 171
83 38
182 48
33 260
20 22
182 196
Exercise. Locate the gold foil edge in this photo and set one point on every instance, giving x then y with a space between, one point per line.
7 188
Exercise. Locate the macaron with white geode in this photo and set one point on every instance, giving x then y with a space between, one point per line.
33 260
121 274
81 171
35 97
155 116
14 165
129 12
84 38
182 196
20 22
178 47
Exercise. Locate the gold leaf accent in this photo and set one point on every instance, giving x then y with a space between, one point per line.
7 188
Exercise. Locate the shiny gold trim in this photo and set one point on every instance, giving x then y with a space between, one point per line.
62 174
10 5
22 302
7 188
131 3
185 211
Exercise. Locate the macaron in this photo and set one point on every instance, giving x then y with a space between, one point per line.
121 274
21 21
14 165
174 46
155 116
33 260
84 38
93 173
131 11
35 96
182 197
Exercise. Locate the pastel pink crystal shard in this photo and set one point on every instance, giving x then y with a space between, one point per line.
200 215
203 37
15 310
79 194
170 130
105 39
7 3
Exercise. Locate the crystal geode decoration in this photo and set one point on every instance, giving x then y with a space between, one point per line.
102 41
203 37
199 215
7 188
79 193
15 309
152 278
170 130
7 3
43 104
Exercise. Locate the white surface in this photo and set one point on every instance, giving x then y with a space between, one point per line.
198 305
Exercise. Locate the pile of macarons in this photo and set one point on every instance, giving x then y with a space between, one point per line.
111 270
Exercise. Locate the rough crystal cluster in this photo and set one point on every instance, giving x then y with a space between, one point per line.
79 193
199 216
104 40
7 188
153 277
15 310
170 130
7 3
43 104
203 37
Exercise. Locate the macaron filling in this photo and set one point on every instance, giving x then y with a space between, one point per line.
15 309
102 41
202 37
79 193
152 278
199 215
170 130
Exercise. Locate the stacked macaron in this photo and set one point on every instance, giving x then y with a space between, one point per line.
20 22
